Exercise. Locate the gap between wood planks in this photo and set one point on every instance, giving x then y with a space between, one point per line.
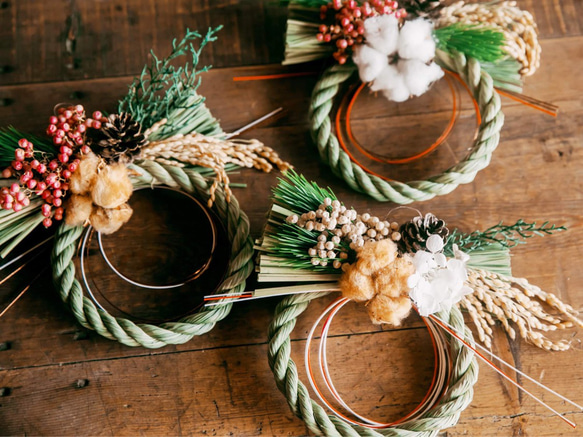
156 353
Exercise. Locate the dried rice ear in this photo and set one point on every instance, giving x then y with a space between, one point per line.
82 179
109 220
78 209
112 187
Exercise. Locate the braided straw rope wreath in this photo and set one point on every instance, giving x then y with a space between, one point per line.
444 414
148 335
482 88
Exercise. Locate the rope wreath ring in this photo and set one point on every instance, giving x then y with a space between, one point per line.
343 165
153 336
444 413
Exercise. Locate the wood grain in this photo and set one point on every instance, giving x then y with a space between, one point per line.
63 380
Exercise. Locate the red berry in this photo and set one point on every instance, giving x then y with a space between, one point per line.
53 165
57 140
25 201
81 128
20 196
19 154
57 184
6 173
17 165
41 168
47 222
53 120
320 37
96 124
31 183
97 115
63 157
51 129
341 43
68 114
14 188
8 206
57 202
327 38
8 199
345 21
66 127
85 150
80 109
41 186
57 193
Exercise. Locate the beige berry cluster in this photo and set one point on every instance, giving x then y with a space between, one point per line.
338 225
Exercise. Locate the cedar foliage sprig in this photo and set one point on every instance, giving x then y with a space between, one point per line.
166 91
507 236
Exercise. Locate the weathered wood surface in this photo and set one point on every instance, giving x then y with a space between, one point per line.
63 380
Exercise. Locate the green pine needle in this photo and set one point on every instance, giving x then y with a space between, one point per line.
166 91
483 43
9 137
298 195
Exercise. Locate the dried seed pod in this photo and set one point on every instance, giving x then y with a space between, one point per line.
78 209
112 186
109 220
82 179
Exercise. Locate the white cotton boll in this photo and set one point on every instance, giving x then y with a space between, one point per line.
388 78
416 40
398 94
382 33
418 76
369 61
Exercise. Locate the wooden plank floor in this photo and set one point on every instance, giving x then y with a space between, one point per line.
62 380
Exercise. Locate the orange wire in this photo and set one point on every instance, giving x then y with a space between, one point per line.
468 345
385 425
366 169
524 102
274 76
408 159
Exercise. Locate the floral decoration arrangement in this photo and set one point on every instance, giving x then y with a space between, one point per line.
399 49
314 241
86 168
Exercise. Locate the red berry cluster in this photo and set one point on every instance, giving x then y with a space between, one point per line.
39 174
349 19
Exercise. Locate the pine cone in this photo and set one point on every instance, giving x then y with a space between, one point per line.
415 233
118 140
421 8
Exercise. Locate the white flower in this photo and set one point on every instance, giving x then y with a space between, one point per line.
438 283
412 45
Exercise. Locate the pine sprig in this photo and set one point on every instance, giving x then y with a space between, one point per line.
9 137
507 236
166 91
480 42
299 195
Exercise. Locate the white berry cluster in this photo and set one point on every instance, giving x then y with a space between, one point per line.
338 225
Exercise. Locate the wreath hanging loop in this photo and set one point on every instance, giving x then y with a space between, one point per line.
150 335
481 86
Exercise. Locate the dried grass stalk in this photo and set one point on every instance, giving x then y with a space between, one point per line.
518 305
